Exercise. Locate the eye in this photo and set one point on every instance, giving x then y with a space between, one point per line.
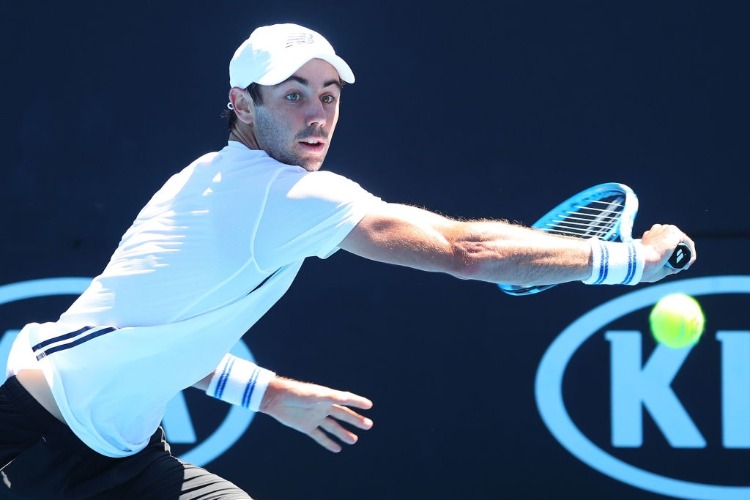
294 96
328 99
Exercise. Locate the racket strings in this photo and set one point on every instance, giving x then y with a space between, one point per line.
597 218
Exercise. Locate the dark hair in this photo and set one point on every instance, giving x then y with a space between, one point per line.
229 114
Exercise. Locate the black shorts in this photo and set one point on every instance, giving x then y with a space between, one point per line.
41 458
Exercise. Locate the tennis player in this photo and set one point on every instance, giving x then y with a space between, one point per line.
215 248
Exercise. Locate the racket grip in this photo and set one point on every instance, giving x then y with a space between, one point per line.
680 257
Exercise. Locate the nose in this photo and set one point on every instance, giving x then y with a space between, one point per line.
316 114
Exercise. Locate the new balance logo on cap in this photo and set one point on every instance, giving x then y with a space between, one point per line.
299 39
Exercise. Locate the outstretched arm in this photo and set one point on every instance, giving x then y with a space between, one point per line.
493 251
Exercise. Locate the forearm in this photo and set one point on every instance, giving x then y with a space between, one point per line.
493 251
500 252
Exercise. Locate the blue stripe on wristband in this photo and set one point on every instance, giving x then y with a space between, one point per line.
604 265
249 388
631 264
223 378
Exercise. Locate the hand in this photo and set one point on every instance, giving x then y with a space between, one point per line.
660 241
315 410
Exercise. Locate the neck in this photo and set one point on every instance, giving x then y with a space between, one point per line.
246 137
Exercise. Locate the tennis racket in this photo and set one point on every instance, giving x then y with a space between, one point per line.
606 211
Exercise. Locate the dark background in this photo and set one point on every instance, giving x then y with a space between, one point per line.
474 109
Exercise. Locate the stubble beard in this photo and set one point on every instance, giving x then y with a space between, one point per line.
271 137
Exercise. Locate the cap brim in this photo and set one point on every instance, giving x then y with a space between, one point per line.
279 74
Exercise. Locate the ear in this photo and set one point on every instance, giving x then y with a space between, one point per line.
242 104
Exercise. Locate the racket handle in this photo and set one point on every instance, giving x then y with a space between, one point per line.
680 257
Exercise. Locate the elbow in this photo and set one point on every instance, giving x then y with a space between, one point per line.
465 264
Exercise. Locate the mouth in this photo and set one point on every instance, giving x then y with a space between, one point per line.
313 144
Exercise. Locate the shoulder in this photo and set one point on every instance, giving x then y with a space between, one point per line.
322 184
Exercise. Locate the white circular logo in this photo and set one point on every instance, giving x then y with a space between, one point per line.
549 388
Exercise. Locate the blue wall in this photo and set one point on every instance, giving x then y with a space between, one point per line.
471 109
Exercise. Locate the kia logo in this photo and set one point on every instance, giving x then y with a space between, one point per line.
641 385
178 422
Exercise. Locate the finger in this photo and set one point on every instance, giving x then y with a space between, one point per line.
334 428
350 417
694 254
350 399
324 440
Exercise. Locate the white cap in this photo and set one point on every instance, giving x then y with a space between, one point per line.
273 53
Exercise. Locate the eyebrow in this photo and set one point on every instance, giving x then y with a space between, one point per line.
305 82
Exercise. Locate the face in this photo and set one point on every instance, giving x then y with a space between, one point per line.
296 120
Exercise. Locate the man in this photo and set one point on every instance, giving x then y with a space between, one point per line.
207 256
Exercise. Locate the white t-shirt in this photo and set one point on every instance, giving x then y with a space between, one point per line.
180 290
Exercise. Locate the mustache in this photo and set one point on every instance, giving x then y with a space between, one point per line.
312 132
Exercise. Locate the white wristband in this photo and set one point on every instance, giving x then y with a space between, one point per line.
616 263
239 382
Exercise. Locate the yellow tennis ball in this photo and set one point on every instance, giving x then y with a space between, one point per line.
677 321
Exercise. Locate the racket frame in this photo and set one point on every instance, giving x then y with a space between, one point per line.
617 226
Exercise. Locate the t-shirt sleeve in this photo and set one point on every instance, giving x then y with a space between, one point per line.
308 214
